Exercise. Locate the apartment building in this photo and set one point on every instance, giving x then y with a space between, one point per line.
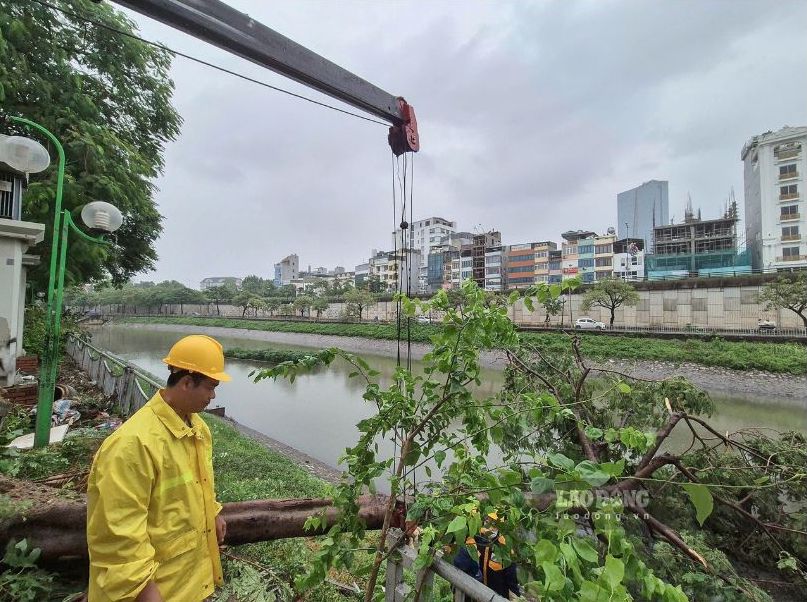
775 210
423 235
570 249
604 255
287 269
541 252
440 258
481 244
495 266
628 259
396 269
554 266
528 263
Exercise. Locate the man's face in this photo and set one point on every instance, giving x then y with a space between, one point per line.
197 397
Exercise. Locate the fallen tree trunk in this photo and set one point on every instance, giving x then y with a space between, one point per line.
57 524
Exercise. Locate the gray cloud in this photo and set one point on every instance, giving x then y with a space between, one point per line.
533 116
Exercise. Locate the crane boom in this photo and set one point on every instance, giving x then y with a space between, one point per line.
217 23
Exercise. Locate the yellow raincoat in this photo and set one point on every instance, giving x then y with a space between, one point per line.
151 509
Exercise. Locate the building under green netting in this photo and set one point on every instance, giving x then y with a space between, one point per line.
708 263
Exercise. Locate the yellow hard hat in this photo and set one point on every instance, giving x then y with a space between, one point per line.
198 353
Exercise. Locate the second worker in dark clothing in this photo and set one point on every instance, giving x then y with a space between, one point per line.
489 570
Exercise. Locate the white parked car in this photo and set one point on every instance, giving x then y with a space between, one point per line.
588 324
766 326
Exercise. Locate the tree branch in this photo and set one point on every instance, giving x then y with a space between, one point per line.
668 533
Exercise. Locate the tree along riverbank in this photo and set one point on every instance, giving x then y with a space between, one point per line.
790 388
787 358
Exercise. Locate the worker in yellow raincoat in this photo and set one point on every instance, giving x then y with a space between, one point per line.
153 528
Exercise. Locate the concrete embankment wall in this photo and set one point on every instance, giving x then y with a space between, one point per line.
676 306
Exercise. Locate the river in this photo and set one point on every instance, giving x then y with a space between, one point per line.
317 414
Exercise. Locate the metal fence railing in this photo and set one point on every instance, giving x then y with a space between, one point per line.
129 384
465 587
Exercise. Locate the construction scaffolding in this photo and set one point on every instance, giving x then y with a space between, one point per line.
698 247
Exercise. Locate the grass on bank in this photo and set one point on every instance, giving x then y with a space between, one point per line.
246 470
787 358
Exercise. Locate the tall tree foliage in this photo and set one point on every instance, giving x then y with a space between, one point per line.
610 294
595 500
787 293
106 97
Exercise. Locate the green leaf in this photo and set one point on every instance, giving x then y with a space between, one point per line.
554 579
439 457
591 592
561 461
509 478
615 469
586 551
412 456
541 485
701 498
591 473
623 388
545 551
613 572
458 524
593 433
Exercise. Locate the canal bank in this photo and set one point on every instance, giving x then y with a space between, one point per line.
748 384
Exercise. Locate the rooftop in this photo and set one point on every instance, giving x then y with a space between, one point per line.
786 133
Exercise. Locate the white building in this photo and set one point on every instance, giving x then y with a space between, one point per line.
395 270
287 269
775 215
423 236
628 259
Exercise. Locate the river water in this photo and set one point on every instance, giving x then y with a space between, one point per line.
317 414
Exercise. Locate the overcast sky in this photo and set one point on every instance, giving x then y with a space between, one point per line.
532 115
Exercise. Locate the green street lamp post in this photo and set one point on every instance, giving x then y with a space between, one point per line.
98 216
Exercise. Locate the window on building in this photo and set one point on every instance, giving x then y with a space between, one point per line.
600 249
494 269
586 249
602 262
585 263
787 151
790 211
790 253
788 192
787 171
790 232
